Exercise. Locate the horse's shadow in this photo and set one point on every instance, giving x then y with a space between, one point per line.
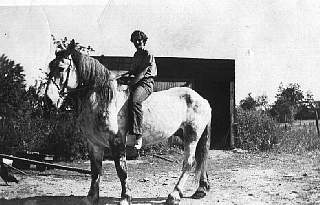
76 200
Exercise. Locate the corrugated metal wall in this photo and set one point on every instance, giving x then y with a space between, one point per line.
166 84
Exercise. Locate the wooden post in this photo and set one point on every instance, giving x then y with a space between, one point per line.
56 166
232 115
317 121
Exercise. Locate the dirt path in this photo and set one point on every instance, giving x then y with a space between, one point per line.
236 178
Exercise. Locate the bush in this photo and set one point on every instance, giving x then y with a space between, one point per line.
256 130
65 140
38 129
57 135
28 122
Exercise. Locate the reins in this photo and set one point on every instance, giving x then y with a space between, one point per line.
64 91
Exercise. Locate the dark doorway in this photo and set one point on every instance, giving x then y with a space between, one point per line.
217 93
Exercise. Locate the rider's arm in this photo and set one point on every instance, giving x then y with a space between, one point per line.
139 67
142 69
137 77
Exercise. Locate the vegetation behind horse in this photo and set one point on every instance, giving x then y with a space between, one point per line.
36 127
257 131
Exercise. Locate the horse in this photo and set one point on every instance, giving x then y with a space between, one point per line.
102 109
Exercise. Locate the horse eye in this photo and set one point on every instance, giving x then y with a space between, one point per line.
61 69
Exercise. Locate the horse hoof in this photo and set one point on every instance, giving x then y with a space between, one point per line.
173 199
125 200
198 195
86 201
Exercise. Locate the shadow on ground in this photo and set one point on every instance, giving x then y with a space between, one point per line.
75 200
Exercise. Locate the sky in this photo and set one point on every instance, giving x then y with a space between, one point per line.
271 41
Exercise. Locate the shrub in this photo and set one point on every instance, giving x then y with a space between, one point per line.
65 140
256 130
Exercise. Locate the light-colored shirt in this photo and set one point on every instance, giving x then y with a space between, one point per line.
144 62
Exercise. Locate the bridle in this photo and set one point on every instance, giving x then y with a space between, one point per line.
61 90
65 84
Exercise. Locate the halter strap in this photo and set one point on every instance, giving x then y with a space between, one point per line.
65 84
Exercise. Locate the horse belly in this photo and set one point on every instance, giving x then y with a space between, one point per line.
162 117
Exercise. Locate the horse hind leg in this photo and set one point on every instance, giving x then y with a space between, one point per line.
96 156
190 143
203 187
201 159
118 150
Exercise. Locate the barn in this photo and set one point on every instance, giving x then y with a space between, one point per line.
214 79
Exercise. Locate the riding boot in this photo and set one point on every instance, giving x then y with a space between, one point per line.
138 143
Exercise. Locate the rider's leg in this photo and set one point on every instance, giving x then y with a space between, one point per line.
139 94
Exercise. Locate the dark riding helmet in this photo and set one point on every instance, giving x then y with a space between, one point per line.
138 35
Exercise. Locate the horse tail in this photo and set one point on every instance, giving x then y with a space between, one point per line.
202 150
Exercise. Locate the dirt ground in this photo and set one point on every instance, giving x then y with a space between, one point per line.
235 177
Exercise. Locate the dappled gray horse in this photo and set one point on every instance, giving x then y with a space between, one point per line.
101 104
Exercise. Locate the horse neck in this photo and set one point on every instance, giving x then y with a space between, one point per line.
122 96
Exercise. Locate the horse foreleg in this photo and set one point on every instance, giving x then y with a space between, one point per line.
189 153
119 156
96 157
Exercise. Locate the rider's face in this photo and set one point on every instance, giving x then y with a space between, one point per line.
139 43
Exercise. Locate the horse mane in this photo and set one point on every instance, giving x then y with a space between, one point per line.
93 74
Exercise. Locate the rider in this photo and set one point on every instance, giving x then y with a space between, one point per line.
143 69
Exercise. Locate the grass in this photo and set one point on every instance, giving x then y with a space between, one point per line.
298 138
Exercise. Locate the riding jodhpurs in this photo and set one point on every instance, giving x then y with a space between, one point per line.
139 93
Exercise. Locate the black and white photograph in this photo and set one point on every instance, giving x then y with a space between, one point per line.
159 102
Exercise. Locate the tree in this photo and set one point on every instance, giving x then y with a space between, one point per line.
262 101
12 91
288 101
12 88
28 123
249 103
64 42
312 106
306 109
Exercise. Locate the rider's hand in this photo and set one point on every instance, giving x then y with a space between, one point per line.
127 74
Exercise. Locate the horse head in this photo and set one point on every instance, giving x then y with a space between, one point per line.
62 76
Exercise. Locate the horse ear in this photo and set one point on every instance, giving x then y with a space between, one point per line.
72 45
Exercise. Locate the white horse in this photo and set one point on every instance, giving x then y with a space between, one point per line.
102 113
